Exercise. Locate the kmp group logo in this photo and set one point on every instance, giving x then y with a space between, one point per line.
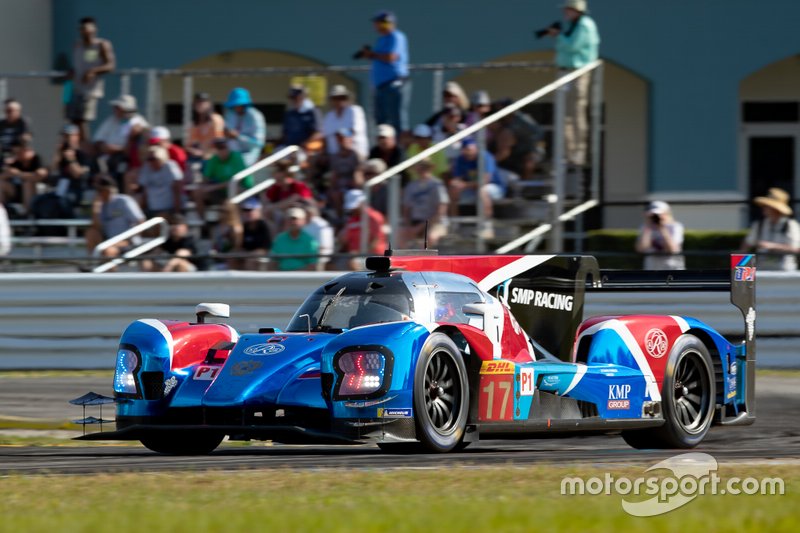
693 474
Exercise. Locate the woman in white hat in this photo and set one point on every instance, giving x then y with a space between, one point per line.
776 234
661 238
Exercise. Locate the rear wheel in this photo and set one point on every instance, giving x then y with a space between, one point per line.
181 443
441 395
688 398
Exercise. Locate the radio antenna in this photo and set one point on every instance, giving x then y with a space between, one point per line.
425 244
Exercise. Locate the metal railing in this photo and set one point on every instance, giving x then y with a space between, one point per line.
252 169
152 106
558 157
133 252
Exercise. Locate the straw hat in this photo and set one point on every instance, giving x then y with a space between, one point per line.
777 199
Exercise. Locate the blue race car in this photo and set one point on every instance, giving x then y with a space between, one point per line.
432 353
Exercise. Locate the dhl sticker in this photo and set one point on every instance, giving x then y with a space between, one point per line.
497 367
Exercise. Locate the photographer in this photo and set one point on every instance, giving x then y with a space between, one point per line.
577 42
661 237
389 74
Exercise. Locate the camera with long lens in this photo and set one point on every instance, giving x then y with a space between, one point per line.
363 52
544 31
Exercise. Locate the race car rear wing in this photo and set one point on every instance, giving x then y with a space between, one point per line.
740 281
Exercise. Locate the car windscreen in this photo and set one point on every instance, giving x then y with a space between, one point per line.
360 301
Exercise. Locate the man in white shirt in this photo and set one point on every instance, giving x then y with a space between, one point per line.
776 235
344 114
5 232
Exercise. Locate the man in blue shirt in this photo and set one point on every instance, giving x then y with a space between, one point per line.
245 127
577 43
302 121
389 72
464 183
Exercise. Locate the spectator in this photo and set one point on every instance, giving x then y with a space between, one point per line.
112 214
452 95
387 147
480 107
464 184
217 173
661 236
12 127
389 75
206 126
576 46
114 138
297 242
425 202
344 114
776 234
227 236
349 238
180 245
256 236
423 137
450 123
515 143
21 173
71 166
321 231
343 169
302 122
159 181
92 57
245 127
286 190
160 136
379 197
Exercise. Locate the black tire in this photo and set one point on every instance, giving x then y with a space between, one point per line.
181 443
441 395
688 399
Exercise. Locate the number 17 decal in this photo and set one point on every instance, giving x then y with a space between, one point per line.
496 400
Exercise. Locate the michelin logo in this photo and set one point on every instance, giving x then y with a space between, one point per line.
549 300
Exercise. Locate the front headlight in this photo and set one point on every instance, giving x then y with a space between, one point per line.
124 379
362 372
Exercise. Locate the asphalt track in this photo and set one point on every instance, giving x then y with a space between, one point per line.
775 436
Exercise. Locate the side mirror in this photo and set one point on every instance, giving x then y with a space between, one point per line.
212 309
476 313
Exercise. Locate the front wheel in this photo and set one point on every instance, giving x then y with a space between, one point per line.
688 399
441 394
181 443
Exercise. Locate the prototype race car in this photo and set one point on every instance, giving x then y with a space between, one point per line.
432 353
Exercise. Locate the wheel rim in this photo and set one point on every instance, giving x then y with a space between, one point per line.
691 392
442 392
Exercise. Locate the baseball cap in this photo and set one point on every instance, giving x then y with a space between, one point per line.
384 16
386 130
481 98
423 130
375 165
126 102
70 129
202 97
658 207
469 141
295 212
160 133
353 199
250 204
296 90
338 90
158 152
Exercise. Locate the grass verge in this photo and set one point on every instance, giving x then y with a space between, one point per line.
453 500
